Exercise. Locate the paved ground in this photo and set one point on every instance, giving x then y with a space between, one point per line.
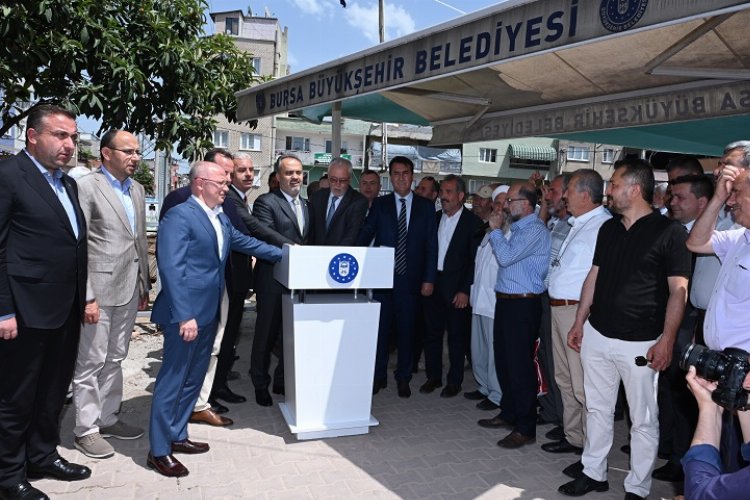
425 447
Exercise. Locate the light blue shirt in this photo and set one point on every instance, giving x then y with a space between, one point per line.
409 197
55 182
122 190
524 258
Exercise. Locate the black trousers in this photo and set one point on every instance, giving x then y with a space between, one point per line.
441 316
225 359
515 332
268 327
37 367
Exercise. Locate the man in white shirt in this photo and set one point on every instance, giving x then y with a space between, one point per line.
567 272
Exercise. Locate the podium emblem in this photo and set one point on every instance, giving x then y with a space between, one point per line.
343 268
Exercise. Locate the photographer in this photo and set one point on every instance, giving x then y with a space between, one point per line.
702 464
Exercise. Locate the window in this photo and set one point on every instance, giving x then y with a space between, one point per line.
297 143
232 26
250 141
221 139
487 155
256 62
10 133
578 153
608 156
329 147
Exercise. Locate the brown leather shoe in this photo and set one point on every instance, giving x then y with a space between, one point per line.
210 417
167 466
494 423
189 447
515 440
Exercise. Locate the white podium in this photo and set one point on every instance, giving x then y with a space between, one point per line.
330 339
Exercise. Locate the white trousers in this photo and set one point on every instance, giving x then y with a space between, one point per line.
606 361
483 357
97 380
208 382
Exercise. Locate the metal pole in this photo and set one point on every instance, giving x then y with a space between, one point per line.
383 125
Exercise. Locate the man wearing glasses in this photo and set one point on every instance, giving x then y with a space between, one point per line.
339 211
117 288
523 262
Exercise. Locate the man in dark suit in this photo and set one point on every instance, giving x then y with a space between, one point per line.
239 275
287 215
339 211
406 223
194 241
42 301
459 233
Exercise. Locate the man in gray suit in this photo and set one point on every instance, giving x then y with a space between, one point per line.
287 215
117 287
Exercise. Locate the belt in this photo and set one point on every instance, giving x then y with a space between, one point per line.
516 295
562 302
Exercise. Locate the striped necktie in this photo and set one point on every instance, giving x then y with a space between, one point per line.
331 211
401 243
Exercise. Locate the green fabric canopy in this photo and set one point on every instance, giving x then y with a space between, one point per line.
530 152
371 107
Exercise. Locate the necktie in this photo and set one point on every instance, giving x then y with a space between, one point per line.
331 211
300 215
401 243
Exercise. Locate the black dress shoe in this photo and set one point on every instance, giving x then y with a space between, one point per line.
167 466
574 470
450 390
582 485
404 391
190 447
515 440
556 434
562 446
474 395
59 469
377 385
225 394
487 405
217 407
22 491
263 397
430 386
629 495
279 389
670 471
494 423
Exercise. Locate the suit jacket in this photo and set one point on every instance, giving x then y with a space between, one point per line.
346 222
421 241
191 267
458 266
274 211
42 263
118 259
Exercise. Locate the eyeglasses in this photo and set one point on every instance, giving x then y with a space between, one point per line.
218 183
338 180
129 152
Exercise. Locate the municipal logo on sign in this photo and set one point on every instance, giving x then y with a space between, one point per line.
621 15
343 268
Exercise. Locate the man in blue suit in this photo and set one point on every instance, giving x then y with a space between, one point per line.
193 244
406 223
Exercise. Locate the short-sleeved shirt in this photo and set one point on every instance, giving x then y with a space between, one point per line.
631 293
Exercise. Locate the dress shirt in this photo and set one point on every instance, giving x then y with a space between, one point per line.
213 217
243 196
704 478
569 269
728 312
558 232
446 228
122 190
706 271
482 295
299 212
56 183
524 258
408 199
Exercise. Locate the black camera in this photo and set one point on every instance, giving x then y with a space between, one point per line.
728 367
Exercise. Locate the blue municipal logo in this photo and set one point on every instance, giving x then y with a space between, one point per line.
343 268
621 15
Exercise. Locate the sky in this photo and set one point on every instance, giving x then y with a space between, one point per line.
322 30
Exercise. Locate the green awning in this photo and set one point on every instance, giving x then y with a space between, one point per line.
529 152
371 107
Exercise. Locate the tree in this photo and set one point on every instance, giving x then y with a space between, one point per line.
145 177
141 65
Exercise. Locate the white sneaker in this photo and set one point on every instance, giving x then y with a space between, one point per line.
121 430
94 446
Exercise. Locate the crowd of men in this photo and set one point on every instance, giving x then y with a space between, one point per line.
547 291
